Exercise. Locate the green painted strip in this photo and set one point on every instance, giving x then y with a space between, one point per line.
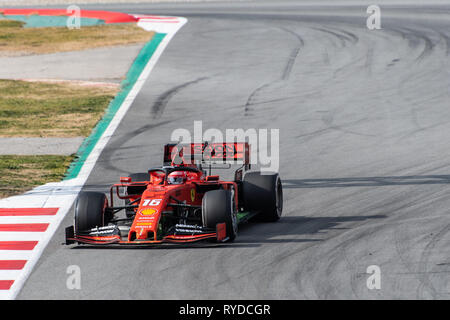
132 76
245 216
36 21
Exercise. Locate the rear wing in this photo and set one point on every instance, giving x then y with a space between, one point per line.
210 153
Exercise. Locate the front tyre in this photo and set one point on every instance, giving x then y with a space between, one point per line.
218 207
90 210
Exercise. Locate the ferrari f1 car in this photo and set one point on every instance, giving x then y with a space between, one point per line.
179 202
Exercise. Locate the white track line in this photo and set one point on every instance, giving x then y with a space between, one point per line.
9 274
26 219
15 254
21 236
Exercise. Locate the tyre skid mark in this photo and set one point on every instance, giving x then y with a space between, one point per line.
424 276
162 101
285 74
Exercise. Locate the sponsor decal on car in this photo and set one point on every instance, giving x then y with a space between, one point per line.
151 202
148 212
147 218
188 230
190 226
141 224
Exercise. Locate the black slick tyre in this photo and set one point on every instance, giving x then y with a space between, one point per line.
263 193
218 207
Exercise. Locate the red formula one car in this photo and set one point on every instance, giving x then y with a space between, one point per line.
179 202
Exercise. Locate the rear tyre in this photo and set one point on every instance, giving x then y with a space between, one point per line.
218 207
90 211
263 193
141 176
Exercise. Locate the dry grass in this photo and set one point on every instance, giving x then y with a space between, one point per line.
41 109
22 173
17 40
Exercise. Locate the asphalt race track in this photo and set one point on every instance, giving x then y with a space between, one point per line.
364 125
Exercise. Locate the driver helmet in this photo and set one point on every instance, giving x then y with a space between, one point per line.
177 177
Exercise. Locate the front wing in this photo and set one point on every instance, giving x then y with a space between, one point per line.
111 235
